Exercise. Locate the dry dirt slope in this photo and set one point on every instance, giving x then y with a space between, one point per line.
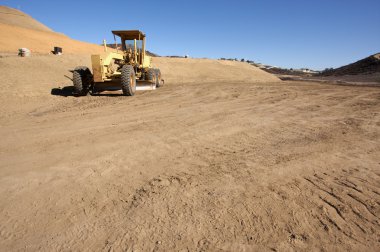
177 70
19 30
369 65
18 18
36 76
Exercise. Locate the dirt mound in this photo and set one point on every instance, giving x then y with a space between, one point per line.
369 65
36 76
13 38
181 70
24 31
15 17
18 30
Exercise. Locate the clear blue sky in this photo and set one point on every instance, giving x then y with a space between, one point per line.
294 33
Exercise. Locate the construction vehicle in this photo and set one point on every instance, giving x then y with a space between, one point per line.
128 69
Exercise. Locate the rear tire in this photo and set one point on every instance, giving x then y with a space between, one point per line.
82 80
151 75
128 80
158 75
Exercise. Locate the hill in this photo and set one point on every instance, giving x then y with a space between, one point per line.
14 37
41 40
369 65
18 30
188 70
18 18
36 76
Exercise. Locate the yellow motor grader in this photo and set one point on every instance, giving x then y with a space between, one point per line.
122 69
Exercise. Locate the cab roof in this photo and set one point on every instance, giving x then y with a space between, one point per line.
130 34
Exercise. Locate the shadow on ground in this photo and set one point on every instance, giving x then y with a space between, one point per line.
69 91
65 91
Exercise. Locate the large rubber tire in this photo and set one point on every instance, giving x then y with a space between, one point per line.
128 80
158 82
151 75
82 80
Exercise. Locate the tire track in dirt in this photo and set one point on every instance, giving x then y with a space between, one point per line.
326 209
345 213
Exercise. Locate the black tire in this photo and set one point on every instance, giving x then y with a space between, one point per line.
151 75
128 80
82 80
158 75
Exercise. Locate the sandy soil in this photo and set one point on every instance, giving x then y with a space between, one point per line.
235 165
13 38
188 70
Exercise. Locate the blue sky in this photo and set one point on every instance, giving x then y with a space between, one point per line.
293 33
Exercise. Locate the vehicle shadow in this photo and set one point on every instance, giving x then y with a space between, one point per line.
65 91
69 91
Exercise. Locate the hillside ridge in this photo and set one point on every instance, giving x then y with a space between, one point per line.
11 16
367 65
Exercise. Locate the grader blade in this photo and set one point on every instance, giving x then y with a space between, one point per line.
145 85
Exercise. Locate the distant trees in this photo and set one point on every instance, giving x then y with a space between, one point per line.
327 70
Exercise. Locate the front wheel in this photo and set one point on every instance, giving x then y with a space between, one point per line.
82 79
128 80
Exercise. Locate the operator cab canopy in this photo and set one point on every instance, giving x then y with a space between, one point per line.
130 35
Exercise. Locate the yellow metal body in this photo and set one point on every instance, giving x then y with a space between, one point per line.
101 63
105 66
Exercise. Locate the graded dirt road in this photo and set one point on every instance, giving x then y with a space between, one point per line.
205 166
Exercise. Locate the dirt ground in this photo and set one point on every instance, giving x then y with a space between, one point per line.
233 165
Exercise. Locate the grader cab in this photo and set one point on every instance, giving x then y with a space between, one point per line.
128 69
